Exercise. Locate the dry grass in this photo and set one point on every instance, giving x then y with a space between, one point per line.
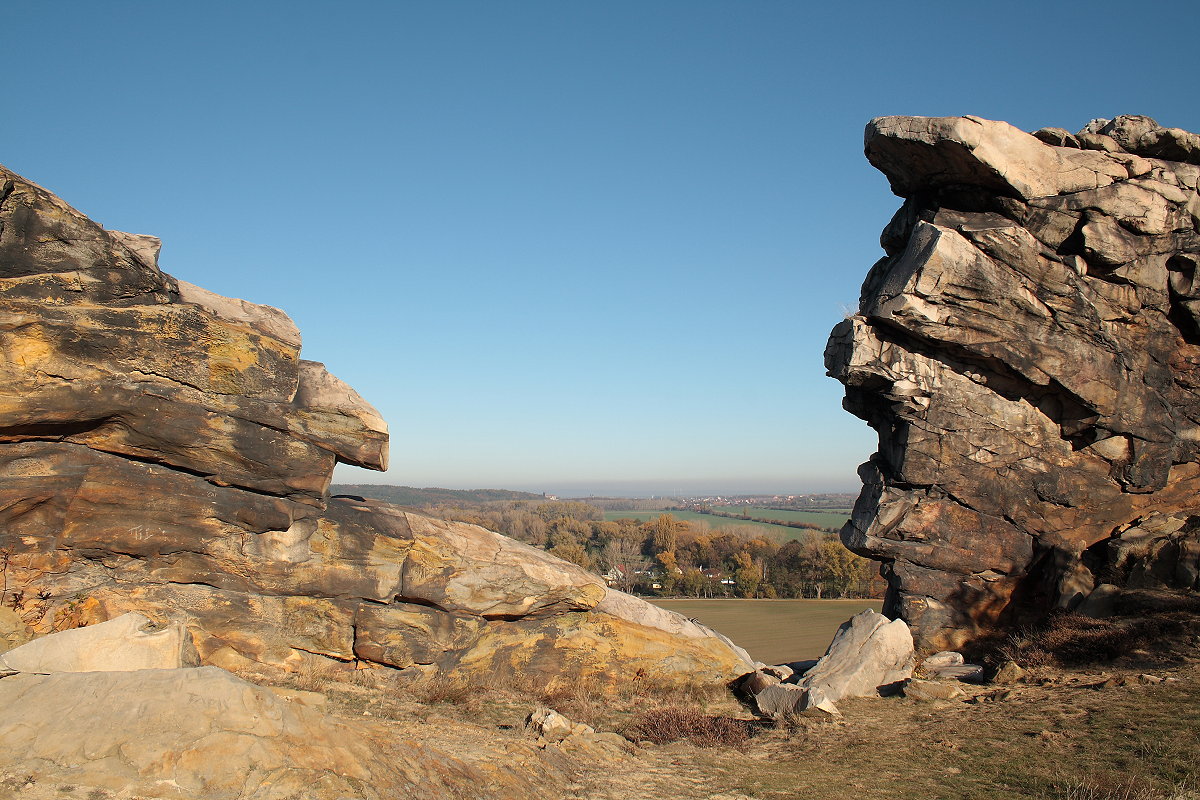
665 725
445 690
1068 733
1111 787
1066 640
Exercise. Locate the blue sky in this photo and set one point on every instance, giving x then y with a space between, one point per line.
561 246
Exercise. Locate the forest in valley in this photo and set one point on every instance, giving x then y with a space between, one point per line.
662 556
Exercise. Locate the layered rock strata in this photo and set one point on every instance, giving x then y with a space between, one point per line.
165 450
1028 350
204 733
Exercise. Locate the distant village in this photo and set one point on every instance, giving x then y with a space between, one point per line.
783 501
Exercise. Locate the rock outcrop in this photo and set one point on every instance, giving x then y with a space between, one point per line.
1029 352
165 450
125 644
204 733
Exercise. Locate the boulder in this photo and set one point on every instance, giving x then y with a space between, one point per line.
1100 602
1028 350
924 690
951 665
945 658
552 726
780 671
129 642
958 672
756 682
780 700
869 654
204 734
1008 672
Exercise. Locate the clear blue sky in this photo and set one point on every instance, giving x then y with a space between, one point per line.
561 246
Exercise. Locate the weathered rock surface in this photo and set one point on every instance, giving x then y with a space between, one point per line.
869 653
204 733
1029 352
129 642
165 450
948 664
918 689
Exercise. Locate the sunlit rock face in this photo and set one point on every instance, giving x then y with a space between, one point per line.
1028 350
164 449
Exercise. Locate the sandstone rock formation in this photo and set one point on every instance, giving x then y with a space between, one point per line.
1029 352
166 450
129 642
204 733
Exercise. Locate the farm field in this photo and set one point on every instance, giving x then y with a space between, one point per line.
826 518
713 522
774 631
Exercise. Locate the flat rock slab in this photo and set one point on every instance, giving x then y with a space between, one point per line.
931 690
204 733
129 642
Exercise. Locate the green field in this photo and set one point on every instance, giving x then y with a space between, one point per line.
781 531
826 518
774 631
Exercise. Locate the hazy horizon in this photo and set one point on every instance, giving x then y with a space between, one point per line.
620 488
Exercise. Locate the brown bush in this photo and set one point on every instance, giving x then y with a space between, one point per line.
444 690
665 725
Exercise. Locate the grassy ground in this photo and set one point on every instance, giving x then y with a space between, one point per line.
1061 734
774 631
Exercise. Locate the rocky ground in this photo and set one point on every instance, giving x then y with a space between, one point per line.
1126 727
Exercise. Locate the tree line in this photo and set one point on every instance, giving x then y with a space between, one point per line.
666 556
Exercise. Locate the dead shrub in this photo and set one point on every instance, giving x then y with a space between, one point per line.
317 674
444 690
665 725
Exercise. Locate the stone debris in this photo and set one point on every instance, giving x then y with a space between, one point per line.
553 730
1028 349
552 726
